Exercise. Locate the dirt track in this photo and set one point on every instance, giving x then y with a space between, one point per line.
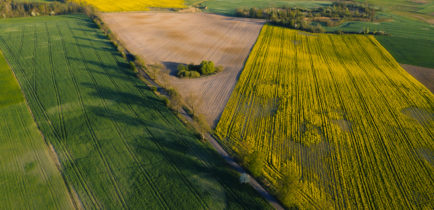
173 38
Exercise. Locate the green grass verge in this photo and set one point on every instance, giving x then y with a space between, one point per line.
119 145
29 178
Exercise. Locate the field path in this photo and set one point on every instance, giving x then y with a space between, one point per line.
174 38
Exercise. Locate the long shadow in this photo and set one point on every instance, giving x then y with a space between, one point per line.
95 63
173 67
188 157
121 74
94 48
103 41
175 149
109 93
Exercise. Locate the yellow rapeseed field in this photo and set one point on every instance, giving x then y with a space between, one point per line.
132 5
338 113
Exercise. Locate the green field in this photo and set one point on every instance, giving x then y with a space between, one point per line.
118 143
29 178
410 8
410 41
340 111
228 7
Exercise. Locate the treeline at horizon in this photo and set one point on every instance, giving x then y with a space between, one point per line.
313 20
12 8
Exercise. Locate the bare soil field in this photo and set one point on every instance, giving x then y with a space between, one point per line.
424 75
174 38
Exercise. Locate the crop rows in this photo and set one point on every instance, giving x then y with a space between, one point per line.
132 5
29 176
340 110
119 145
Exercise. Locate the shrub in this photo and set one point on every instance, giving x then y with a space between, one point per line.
195 71
133 66
194 74
256 163
207 67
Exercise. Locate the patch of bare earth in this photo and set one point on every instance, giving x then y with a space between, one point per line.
174 38
424 75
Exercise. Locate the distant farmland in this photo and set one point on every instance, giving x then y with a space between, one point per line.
228 7
132 5
340 111
29 178
118 144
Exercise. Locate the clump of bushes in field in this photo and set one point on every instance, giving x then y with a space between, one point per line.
195 71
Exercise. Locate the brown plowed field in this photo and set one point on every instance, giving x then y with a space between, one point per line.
173 38
423 74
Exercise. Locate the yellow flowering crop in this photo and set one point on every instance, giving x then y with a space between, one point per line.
357 126
132 5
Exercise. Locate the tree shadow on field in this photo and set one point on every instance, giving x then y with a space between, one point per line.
128 98
196 161
172 67
103 40
100 65
170 154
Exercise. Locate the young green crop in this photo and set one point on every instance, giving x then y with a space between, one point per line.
339 110
118 143
29 178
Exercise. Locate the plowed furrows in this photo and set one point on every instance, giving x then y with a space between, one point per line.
366 109
94 138
62 129
75 168
130 150
38 160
